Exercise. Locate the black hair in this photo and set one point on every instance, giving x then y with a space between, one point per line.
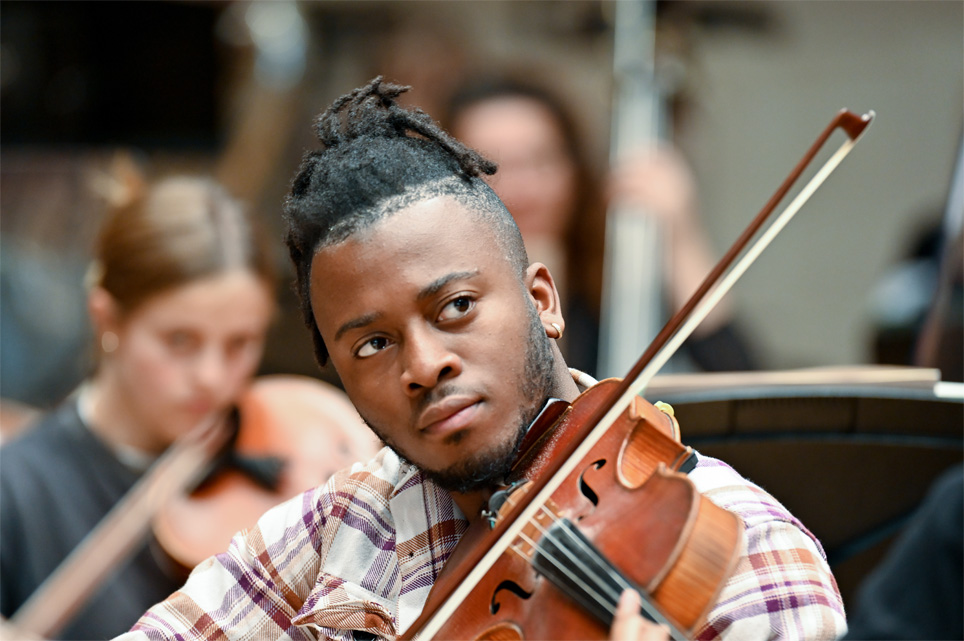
379 157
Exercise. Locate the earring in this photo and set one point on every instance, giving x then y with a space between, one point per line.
109 342
558 329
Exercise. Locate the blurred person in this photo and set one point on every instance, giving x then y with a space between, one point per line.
917 307
559 203
181 294
899 301
917 591
940 342
415 284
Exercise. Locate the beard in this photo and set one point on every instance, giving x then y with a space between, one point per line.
487 468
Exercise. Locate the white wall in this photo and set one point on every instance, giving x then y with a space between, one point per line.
760 101
763 101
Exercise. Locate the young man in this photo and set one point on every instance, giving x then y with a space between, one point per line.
415 285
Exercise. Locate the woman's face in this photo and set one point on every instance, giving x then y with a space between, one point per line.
184 355
536 177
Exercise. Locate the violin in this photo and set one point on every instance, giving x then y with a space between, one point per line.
678 561
598 500
286 435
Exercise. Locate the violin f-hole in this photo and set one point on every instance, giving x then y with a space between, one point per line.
585 488
510 586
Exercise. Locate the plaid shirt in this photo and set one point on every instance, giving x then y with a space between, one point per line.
362 552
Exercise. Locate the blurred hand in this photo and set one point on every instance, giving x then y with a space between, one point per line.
658 183
9 632
629 624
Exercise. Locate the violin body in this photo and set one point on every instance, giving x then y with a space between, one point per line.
308 425
636 512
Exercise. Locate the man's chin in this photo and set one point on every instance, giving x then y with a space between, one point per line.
482 471
463 481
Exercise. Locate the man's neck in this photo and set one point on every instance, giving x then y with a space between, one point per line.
472 503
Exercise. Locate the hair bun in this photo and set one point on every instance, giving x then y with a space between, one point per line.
371 109
122 184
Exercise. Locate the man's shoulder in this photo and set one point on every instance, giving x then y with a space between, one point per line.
380 483
384 475
730 490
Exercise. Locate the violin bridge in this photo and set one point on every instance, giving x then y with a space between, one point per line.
529 539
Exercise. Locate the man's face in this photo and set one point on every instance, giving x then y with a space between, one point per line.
437 341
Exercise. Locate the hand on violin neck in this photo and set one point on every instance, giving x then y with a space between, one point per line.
629 624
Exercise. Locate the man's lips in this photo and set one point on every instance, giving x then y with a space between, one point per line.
448 415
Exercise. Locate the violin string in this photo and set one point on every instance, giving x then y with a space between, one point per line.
561 566
645 600
613 596
608 605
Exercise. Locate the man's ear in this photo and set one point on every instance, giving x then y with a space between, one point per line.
542 288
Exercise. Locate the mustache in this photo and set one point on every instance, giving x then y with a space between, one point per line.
439 392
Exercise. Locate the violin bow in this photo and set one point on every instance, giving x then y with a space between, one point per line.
61 595
717 283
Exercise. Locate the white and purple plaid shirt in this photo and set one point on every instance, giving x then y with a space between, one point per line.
362 552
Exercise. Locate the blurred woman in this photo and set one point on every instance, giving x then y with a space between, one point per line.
559 203
181 296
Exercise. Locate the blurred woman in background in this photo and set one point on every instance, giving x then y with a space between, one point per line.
181 297
546 180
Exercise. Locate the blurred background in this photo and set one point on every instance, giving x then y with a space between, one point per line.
230 89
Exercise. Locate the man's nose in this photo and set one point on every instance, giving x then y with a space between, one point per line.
428 360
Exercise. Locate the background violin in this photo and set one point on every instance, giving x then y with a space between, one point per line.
293 432
303 428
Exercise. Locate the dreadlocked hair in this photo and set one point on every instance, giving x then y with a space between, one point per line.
377 158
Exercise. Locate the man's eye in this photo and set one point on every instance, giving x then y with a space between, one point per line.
457 308
372 347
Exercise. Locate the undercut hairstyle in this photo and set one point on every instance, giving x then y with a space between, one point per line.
378 158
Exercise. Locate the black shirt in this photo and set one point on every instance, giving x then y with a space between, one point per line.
57 481
917 591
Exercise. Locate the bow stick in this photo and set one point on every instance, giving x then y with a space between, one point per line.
717 283
75 580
